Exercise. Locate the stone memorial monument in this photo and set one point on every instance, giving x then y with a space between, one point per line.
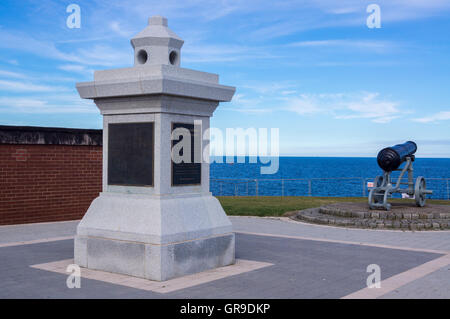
155 217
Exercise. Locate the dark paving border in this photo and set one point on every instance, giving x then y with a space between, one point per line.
302 269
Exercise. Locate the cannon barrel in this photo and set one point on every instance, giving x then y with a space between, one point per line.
390 158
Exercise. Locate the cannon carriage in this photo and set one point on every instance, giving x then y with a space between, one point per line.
390 159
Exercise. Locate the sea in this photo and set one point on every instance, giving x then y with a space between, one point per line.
318 176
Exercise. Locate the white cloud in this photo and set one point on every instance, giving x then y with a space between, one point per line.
270 88
194 53
440 116
10 74
204 9
365 105
47 77
343 10
76 68
250 105
392 10
28 87
371 45
118 29
104 55
304 104
260 97
288 92
319 14
49 104
72 67
21 102
370 106
100 55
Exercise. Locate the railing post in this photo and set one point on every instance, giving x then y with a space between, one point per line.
256 187
235 189
364 187
448 189
309 188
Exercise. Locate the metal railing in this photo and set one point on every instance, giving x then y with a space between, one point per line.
338 186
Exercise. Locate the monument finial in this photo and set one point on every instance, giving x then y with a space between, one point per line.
157 20
157 44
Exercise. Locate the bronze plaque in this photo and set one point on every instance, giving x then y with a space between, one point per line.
184 174
131 154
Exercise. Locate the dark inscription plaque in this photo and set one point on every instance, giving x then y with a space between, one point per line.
187 173
130 154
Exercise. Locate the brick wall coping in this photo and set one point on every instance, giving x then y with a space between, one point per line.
49 136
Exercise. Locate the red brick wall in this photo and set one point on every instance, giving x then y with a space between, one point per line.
42 183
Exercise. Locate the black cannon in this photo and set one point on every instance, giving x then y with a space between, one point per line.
389 159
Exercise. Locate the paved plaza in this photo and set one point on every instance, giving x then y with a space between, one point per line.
276 258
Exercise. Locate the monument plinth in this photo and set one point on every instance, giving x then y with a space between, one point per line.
155 217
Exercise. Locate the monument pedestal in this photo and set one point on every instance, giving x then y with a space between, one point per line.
155 218
154 237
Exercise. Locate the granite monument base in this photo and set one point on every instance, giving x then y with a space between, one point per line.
154 237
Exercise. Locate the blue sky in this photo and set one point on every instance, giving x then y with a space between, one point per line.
314 69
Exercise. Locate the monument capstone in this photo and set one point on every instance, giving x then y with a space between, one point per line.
155 217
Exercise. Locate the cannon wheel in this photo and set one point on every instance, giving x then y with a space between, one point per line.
419 193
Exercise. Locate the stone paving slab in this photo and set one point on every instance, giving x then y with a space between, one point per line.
38 231
241 266
436 240
301 269
400 280
433 286
327 262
